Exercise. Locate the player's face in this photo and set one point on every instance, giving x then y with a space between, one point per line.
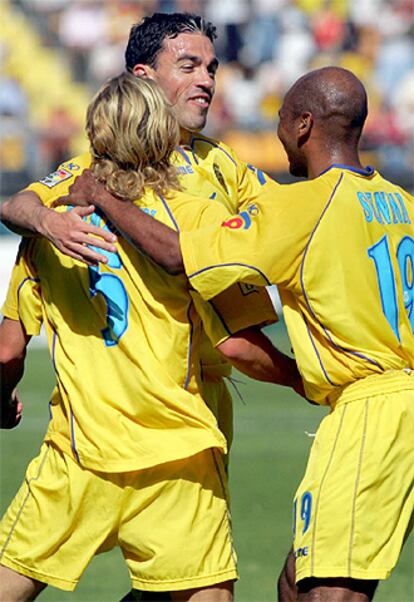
185 70
287 133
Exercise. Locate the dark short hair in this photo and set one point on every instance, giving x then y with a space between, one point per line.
146 37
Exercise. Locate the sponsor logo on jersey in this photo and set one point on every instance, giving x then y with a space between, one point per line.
184 170
56 177
300 552
242 220
220 177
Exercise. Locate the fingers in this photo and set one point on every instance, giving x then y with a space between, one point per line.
62 200
105 237
84 254
83 211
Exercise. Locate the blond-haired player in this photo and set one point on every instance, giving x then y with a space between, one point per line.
132 456
176 50
341 249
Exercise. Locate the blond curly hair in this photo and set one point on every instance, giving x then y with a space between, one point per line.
132 132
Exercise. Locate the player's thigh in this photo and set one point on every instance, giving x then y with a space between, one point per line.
360 474
336 590
222 592
57 521
175 532
15 587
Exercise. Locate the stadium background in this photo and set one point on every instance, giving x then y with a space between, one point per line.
54 54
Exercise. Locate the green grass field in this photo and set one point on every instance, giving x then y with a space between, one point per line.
268 459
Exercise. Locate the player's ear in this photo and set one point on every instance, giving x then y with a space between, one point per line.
142 70
305 124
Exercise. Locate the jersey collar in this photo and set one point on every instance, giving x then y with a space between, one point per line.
367 171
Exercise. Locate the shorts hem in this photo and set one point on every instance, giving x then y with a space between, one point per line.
182 584
67 586
334 572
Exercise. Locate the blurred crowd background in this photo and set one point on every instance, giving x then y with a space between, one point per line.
55 53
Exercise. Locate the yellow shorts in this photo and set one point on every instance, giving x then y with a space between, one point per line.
354 507
171 522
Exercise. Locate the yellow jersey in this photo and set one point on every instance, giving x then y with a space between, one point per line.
124 340
340 248
208 169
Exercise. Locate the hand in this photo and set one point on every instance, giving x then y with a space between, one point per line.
71 235
11 412
84 192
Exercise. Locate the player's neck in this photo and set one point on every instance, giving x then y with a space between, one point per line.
322 161
185 137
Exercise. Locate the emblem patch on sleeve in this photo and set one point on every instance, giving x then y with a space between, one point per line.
56 177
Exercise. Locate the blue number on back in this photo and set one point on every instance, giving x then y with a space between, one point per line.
405 257
112 290
380 253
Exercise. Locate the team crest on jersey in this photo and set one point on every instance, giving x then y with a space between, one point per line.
242 220
71 166
58 176
220 177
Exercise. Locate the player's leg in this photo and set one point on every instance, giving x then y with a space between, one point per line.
286 585
140 596
336 590
222 592
15 587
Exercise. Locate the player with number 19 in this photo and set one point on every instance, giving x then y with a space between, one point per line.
340 247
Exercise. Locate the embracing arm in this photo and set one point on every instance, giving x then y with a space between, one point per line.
25 214
152 238
13 343
252 352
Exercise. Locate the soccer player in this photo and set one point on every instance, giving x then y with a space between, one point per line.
175 50
340 246
132 456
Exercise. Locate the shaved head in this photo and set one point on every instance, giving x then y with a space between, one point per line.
335 98
322 115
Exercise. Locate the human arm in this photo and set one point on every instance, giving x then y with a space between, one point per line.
151 237
25 214
13 343
252 352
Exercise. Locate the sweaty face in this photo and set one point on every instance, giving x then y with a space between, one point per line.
185 70
287 133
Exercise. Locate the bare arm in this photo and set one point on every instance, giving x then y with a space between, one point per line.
13 343
24 214
252 352
146 234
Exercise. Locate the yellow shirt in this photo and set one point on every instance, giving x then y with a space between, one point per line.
207 169
124 340
341 250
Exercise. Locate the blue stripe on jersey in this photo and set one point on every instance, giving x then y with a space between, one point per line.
183 154
215 146
170 214
23 282
223 265
220 317
366 171
351 352
317 354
